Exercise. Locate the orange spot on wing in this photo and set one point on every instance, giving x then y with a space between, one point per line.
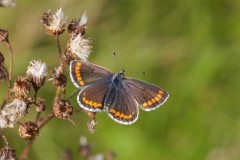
160 92
113 111
153 100
81 83
117 114
149 103
78 64
159 96
144 104
77 71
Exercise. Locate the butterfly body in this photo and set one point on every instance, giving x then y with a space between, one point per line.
117 95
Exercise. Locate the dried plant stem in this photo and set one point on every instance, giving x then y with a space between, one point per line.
46 119
25 152
72 94
5 140
27 149
9 75
10 64
59 51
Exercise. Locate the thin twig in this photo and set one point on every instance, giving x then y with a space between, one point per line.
10 63
27 149
58 46
25 152
47 119
9 75
59 52
73 93
5 140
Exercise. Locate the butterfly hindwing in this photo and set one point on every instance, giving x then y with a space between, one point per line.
148 96
91 98
121 106
85 73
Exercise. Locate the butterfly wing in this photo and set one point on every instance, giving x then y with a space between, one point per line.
85 73
121 106
91 98
148 96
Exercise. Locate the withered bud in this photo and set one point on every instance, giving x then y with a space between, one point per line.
111 155
2 59
21 87
54 23
59 79
28 130
84 147
78 26
3 35
91 125
74 28
37 71
40 106
67 155
7 3
79 47
62 109
69 56
8 153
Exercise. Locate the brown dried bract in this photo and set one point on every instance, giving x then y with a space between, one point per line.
74 28
21 87
7 153
28 130
62 109
59 79
3 35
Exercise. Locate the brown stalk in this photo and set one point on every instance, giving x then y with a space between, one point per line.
26 150
9 75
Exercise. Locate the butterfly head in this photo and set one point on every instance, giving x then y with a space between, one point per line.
121 73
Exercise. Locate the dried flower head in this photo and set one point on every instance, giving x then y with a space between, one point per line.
91 125
84 147
62 109
54 23
98 157
8 153
67 155
37 71
7 3
79 47
21 87
59 79
28 130
3 35
12 112
40 106
77 27
111 155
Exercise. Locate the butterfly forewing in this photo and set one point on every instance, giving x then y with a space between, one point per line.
84 73
92 97
121 106
147 95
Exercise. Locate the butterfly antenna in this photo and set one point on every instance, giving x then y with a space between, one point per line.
144 73
115 58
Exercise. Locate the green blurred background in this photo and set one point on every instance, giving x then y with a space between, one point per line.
189 48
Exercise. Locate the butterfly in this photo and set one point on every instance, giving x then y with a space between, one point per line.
119 96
